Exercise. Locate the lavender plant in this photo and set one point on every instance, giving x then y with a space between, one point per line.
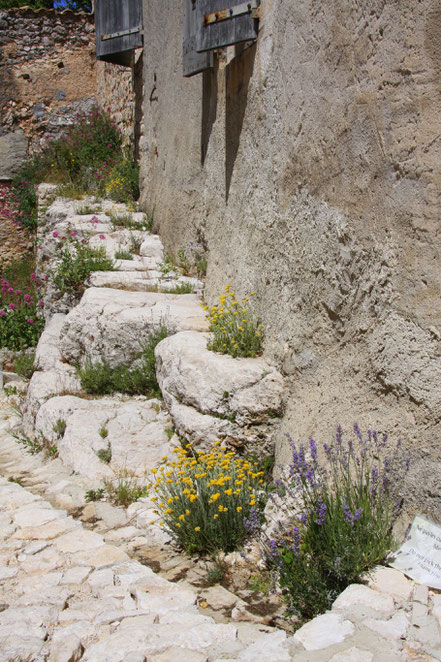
346 502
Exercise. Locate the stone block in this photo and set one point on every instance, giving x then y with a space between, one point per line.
13 153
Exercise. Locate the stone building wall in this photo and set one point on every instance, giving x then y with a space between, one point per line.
310 164
120 89
47 72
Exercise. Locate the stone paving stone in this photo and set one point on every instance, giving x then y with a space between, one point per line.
324 631
357 594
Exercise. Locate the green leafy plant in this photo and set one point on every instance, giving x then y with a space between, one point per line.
180 288
59 427
21 319
86 209
32 445
139 378
234 329
75 261
25 364
122 183
95 495
123 254
342 523
12 479
104 433
124 489
204 498
105 454
168 268
126 221
135 243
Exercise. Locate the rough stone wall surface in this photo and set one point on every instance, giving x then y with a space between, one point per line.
310 163
120 90
47 71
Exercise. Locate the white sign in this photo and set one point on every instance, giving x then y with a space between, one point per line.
420 555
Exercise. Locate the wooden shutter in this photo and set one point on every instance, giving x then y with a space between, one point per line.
192 61
118 26
225 22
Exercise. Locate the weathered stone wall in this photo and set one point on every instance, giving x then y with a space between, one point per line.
47 71
120 90
310 163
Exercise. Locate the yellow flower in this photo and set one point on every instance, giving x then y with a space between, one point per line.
182 518
252 502
154 471
197 528
187 512
239 509
168 511
215 516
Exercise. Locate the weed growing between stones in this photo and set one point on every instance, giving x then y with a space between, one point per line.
21 319
123 254
37 444
59 427
181 288
342 512
105 454
122 490
235 329
127 222
204 498
139 378
25 364
75 261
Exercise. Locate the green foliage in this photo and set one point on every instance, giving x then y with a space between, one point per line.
104 433
181 288
168 268
105 454
75 261
26 201
122 183
25 365
124 489
234 328
59 427
87 158
33 445
21 320
19 481
137 379
127 221
343 525
204 498
123 254
95 495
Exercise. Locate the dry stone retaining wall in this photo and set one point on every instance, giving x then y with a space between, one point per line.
47 72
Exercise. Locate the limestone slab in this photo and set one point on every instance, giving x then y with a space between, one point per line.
110 324
323 631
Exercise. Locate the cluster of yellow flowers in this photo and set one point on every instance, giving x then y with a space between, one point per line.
235 331
203 497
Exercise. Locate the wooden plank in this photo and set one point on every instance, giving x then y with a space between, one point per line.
112 17
233 29
192 61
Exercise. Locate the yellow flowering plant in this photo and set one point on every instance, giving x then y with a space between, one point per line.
234 327
204 498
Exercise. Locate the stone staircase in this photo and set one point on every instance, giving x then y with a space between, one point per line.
73 589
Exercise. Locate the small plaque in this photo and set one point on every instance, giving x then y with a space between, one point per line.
419 557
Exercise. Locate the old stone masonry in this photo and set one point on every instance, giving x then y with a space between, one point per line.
72 586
